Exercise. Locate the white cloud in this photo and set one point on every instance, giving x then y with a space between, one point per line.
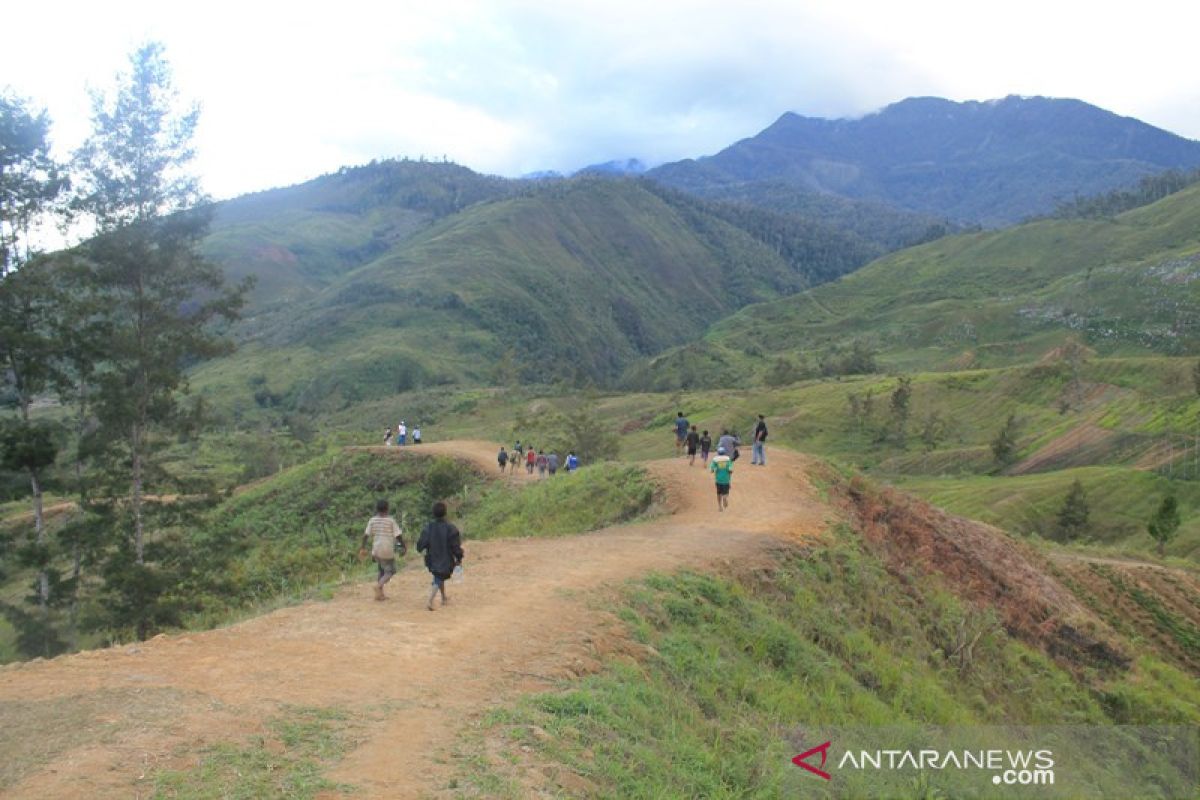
290 90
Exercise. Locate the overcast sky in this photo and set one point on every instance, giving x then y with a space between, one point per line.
292 90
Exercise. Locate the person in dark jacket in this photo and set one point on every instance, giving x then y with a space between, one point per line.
442 545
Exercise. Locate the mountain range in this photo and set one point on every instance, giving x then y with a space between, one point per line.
401 274
991 163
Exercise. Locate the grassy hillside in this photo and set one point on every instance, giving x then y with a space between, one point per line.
571 281
728 677
1124 285
299 239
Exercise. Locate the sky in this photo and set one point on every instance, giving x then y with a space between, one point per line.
289 91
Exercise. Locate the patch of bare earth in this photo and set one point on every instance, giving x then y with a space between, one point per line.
984 566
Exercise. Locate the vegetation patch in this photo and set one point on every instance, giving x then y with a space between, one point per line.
286 761
591 498
740 672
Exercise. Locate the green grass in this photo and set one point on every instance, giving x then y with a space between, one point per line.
1120 500
287 762
998 298
737 677
593 497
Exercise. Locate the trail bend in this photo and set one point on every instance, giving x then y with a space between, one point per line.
528 613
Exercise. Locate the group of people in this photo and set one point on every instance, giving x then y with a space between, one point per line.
440 541
400 435
689 441
531 458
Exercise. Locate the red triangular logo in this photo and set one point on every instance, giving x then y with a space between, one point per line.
800 761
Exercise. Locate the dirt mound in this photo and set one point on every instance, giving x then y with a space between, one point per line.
986 567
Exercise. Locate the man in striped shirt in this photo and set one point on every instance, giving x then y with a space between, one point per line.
384 535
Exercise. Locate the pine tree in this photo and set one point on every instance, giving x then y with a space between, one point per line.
1165 522
160 296
1073 516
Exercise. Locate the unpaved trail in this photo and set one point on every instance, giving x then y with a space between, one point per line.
525 615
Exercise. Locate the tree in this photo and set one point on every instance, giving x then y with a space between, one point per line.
1004 446
1073 516
159 296
900 401
1164 522
30 183
30 180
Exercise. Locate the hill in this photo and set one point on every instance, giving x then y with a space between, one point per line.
992 162
1123 285
570 280
297 240
637 661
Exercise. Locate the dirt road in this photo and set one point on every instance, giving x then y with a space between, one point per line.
525 616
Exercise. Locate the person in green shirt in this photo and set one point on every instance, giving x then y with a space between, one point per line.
722 468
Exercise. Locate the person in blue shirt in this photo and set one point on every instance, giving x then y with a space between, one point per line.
681 430
572 461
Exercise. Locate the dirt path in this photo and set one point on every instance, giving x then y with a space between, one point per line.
524 616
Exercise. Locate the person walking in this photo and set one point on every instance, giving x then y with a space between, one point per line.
530 460
416 434
727 441
552 464
401 433
386 537
705 447
387 437
442 545
758 452
542 464
722 469
693 444
681 429
572 461
502 458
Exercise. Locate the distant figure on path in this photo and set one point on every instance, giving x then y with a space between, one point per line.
758 454
552 463
722 468
401 433
681 429
387 437
572 461
502 458
385 537
727 441
542 463
442 545
705 447
530 460
693 444
416 434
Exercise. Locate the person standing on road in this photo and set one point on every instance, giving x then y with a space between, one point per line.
387 438
386 537
442 545
416 434
758 453
401 433
693 444
681 429
722 469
